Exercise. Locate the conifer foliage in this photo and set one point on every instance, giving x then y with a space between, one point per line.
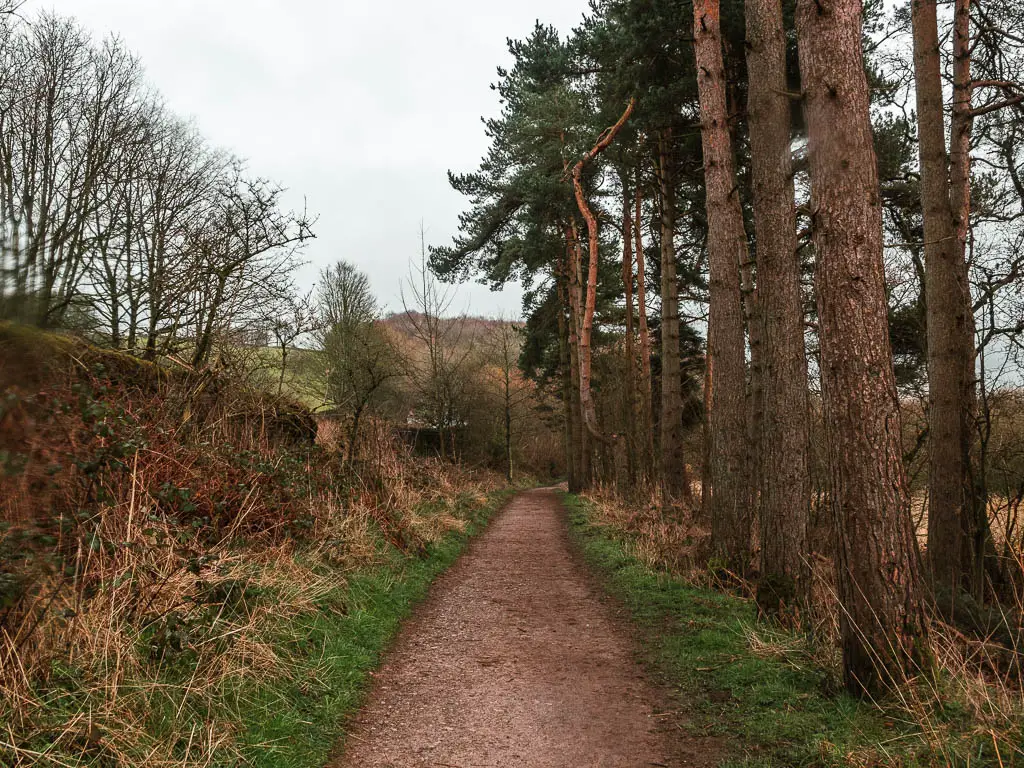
745 286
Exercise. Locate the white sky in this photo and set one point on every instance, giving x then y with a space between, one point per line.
361 106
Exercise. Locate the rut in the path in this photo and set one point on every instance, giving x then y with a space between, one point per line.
513 661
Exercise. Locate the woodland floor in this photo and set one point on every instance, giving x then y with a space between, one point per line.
518 659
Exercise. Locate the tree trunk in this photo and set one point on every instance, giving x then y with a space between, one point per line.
949 554
726 358
884 636
204 343
593 250
754 324
571 446
508 423
674 482
587 322
784 480
284 365
635 408
977 534
353 438
646 396
580 434
960 129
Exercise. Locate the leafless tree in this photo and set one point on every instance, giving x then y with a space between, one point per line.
359 356
439 372
294 316
503 346
245 251
114 214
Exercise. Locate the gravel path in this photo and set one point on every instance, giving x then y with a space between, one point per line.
514 660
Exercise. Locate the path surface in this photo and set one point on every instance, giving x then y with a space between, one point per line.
514 661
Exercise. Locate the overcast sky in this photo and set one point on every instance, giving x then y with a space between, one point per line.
361 106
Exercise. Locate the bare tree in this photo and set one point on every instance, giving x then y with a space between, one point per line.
358 354
504 343
115 213
438 373
67 107
172 199
294 316
246 253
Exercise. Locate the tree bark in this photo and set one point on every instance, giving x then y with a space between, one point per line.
882 623
571 446
960 129
646 395
674 481
725 379
754 324
949 554
977 535
635 408
581 436
782 590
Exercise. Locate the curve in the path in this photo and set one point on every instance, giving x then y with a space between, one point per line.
512 661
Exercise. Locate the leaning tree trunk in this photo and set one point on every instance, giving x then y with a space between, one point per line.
593 251
727 470
949 554
785 486
882 622
674 481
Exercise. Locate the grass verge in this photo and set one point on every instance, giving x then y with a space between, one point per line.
331 651
258 657
756 688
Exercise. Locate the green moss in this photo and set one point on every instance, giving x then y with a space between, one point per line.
29 355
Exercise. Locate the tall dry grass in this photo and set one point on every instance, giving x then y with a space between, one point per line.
974 694
157 532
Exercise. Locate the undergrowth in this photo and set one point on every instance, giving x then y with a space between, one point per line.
774 696
185 578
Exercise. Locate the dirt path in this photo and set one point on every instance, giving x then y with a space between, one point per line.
514 661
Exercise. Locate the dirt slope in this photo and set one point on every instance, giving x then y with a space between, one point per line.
515 661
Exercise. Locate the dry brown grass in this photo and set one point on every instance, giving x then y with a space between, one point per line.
160 548
975 693
228 612
673 541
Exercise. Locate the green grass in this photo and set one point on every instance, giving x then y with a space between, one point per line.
775 711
